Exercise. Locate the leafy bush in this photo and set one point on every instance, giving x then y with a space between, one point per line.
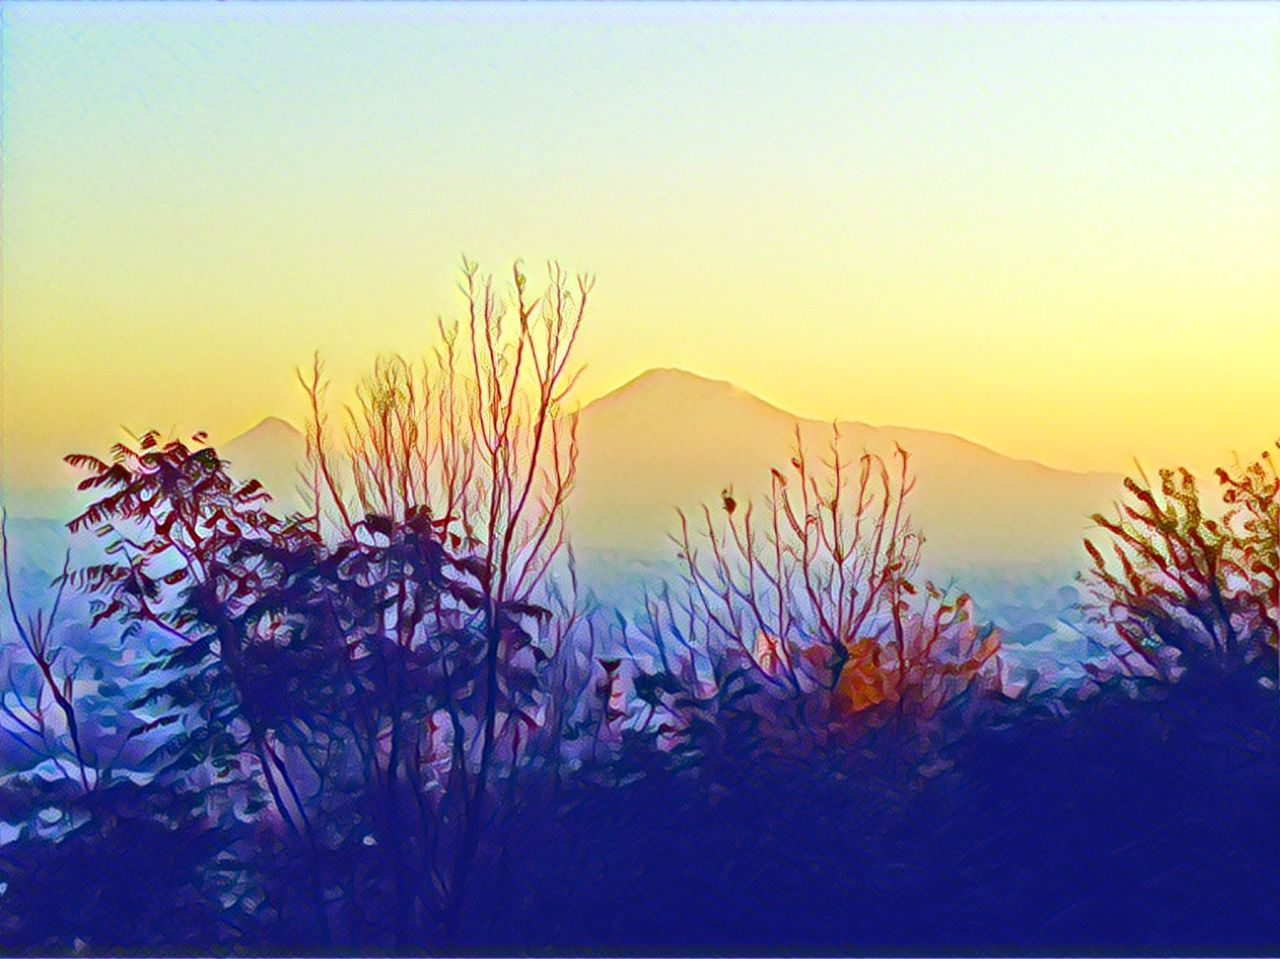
1184 590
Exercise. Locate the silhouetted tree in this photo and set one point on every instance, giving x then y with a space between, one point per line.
27 720
820 598
479 439
1185 590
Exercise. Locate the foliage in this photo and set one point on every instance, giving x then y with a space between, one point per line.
355 688
1184 590
821 600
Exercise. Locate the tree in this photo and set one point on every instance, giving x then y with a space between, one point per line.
820 598
362 664
1184 590
27 720
479 438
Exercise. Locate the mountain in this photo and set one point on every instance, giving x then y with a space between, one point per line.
1007 530
671 439
273 452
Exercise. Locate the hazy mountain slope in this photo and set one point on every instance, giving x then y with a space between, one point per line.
1007 530
273 452
672 439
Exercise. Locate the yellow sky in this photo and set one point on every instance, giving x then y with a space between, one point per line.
1054 229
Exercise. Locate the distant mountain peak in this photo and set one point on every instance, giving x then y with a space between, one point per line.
677 374
270 452
672 377
271 425
672 384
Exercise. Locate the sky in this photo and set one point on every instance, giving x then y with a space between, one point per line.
1053 229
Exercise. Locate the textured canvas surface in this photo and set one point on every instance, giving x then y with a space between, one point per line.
618 479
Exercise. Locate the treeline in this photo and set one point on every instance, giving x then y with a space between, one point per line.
395 723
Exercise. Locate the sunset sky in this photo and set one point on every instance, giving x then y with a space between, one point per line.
1053 229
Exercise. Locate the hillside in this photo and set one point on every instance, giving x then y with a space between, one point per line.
671 439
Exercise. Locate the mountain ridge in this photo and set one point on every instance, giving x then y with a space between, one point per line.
675 373
669 439
275 423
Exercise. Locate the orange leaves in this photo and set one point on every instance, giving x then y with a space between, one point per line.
863 682
990 647
730 504
940 654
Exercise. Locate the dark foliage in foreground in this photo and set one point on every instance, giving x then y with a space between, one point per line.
1127 825
680 810
1135 825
